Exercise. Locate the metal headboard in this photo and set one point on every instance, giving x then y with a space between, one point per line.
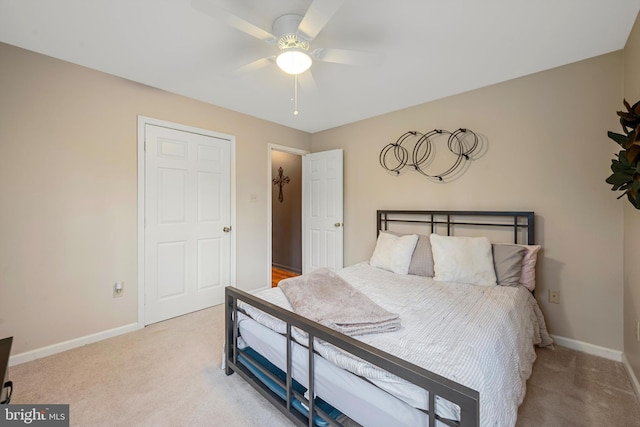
522 222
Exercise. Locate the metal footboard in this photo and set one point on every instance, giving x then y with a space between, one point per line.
466 398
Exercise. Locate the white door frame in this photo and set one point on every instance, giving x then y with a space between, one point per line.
142 121
271 148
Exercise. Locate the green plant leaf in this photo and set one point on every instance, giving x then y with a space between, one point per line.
619 167
629 119
625 167
633 198
620 139
622 158
617 180
625 115
620 176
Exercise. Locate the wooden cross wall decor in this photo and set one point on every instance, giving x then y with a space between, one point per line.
280 181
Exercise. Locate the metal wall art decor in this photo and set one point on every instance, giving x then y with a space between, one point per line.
280 181
400 154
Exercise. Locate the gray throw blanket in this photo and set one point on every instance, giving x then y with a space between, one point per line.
328 299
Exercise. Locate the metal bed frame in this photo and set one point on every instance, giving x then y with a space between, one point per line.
466 398
519 221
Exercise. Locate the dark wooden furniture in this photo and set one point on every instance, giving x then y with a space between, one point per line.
7 386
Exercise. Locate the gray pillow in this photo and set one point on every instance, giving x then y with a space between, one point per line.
507 260
422 258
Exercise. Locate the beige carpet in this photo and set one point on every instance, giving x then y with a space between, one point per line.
570 388
168 374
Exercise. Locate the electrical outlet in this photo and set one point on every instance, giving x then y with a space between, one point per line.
118 289
554 296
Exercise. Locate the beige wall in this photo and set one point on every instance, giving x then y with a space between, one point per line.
632 216
546 150
68 174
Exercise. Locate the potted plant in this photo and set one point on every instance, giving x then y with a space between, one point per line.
626 167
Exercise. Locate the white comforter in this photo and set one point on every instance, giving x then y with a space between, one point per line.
481 337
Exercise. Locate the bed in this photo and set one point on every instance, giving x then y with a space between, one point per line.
464 349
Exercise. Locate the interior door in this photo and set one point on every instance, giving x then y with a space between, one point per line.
322 220
187 221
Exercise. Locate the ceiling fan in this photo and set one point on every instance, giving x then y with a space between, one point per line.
292 34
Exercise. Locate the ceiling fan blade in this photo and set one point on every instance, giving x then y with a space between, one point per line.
349 57
307 82
255 65
317 16
232 20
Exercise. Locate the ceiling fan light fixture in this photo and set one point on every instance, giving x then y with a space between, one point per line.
293 61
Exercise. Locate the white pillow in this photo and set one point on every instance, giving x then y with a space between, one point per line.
528 274
394 253
463 260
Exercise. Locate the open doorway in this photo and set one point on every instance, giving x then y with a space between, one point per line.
285 182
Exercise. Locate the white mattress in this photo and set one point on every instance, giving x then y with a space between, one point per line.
363 402
481 337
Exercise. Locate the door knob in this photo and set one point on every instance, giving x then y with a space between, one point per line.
226 229
338 224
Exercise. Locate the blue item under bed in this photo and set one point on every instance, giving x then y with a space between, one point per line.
254 356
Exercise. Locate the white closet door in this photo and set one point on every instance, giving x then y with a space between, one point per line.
187 209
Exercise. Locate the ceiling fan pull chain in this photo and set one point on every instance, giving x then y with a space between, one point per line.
295 95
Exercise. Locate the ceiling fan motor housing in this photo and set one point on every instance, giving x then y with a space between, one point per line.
286 29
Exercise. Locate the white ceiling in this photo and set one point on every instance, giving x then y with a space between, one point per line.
430 48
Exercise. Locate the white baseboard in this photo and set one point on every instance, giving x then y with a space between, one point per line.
584 347
287 268
632 376
49 350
